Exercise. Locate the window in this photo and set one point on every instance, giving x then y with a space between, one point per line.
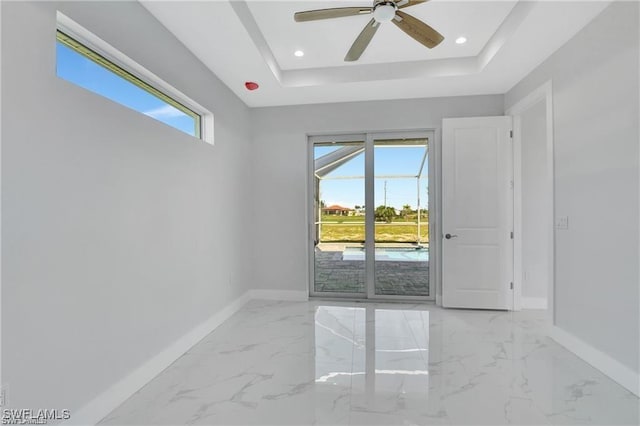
88 69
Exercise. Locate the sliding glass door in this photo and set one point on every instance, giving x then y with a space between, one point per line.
401 219
369 216
339 218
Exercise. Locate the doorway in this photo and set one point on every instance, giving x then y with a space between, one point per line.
534 201
369 216
497 208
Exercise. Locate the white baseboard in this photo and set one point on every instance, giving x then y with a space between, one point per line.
603 362
286 295
534 303
110 399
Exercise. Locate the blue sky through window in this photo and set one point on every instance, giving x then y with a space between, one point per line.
82 71
388 160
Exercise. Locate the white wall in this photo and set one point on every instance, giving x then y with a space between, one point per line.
116 234
280 247
595 95
535 208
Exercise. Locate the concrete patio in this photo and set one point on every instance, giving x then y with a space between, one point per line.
402 278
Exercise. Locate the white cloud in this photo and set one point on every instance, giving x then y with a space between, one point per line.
166 111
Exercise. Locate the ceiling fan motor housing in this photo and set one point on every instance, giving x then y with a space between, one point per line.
384 11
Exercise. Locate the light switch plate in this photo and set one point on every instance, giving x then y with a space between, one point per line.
562 222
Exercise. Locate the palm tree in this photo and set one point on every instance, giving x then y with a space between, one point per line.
406 209
384 213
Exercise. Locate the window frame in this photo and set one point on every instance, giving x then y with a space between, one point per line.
87 44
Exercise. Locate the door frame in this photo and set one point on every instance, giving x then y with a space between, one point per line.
369 138
544 93
312 139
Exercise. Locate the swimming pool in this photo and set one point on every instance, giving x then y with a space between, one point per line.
396 254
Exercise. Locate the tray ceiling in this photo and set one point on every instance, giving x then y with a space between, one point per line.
255 41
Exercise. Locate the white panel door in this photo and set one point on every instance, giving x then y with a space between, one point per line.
477 213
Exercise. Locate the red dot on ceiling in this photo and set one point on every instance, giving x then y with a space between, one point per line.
250 85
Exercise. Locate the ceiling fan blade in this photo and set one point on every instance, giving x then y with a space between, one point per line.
362 41
338 12
406 3
417 29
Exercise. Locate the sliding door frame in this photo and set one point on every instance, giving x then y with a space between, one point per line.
369 139
312 140
370 245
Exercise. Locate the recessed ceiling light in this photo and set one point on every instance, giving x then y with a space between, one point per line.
461 40
299 53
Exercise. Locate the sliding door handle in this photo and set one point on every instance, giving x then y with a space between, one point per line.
450 236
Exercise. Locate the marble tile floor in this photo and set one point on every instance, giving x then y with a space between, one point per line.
319 363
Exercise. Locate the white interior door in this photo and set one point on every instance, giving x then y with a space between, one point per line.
477 213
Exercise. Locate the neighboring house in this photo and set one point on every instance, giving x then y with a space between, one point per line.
337 210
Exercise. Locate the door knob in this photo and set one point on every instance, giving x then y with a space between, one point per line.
450 236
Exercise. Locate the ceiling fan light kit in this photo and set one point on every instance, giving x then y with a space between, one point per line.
383 11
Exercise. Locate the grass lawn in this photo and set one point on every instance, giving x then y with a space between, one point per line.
331 218
411 218
385 232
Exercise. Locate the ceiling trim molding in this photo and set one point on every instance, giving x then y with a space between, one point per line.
248 21
508 27
377 72
383 71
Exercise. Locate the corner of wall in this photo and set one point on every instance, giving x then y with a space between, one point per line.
98 408
618 372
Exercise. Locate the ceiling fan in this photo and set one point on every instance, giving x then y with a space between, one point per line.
383 11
